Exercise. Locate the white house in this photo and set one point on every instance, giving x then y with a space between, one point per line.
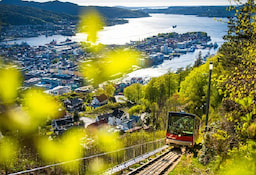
59 90
84 89
100 100
182 45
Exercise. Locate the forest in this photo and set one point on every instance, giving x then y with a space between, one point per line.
202 11
32 13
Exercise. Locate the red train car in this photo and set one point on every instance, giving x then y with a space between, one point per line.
182 129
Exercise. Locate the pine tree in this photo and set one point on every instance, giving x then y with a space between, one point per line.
199 60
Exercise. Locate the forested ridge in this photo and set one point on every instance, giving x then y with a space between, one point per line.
28 12
202 11
76 10
16 15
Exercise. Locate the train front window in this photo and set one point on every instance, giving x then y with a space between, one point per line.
181 125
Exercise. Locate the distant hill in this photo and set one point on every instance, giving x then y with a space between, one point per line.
114 12
74 9
17 15
54 6
202 11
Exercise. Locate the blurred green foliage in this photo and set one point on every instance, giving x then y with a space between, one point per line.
229 147
241 160
24 113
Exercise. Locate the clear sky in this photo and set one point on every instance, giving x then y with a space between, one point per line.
140 3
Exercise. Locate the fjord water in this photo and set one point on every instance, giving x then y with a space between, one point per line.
140 28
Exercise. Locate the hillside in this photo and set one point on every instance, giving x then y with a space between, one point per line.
115 12
74 9
16 15
202 11
54 6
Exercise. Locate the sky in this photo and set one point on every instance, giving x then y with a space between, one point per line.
145 3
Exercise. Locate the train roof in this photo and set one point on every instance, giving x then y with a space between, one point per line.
171 113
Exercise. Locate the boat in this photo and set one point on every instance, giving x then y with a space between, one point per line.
68 40
53 42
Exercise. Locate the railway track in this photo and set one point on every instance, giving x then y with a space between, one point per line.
159 165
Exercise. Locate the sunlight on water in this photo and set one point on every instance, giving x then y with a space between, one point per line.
140 28
111 63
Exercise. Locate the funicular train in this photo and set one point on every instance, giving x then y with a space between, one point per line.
182 129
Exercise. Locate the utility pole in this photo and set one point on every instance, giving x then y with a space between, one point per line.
208 95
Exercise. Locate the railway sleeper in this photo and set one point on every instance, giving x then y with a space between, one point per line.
154 169
160 166
173 160
137 170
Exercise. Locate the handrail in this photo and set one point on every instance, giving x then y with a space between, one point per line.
84 158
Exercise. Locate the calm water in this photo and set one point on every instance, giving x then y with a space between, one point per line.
140 28
169 65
